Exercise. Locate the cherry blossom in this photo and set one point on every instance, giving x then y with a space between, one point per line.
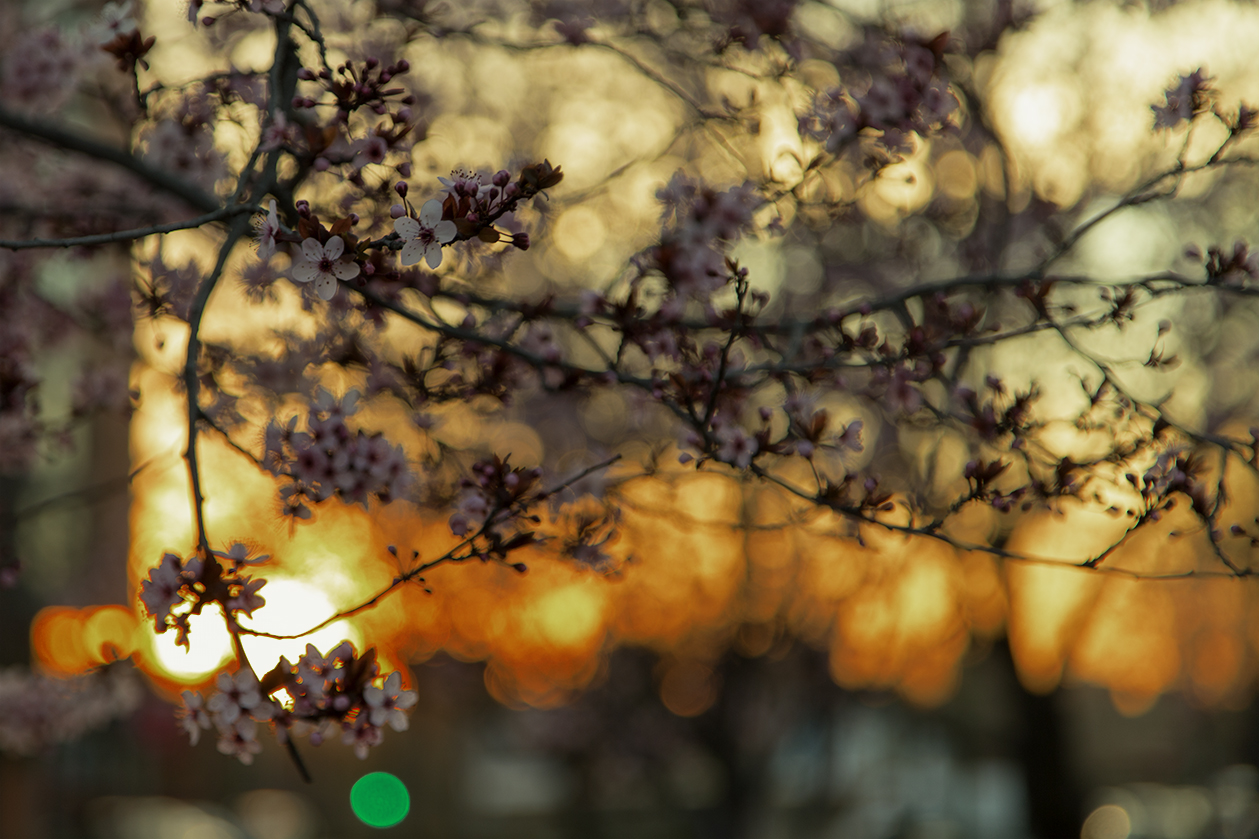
247 598
238 554
116 18
424 238
238 695
267 228
193 715
323 265
388 704
164 587
1190 96
362 735
240 739
39 70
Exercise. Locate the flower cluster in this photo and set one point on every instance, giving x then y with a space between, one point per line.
330 459
701 224
38 712
905 91
1176 470
1190 96
474 206
183 144
323 692
179 588
748 20
41 69
492 502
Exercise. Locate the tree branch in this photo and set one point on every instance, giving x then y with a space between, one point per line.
58 136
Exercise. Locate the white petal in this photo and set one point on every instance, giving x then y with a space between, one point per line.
408 228
304 272
411 252
326 286
431 212
445 230
345 270
334 248
433 255
312 249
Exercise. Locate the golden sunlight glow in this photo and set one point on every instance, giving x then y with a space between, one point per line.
292 606
1039 113
209 648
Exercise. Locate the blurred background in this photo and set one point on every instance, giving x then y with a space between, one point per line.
747 670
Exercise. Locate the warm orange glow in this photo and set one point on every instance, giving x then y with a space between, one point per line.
715 563
67 641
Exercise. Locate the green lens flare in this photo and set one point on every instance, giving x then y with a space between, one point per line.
380 799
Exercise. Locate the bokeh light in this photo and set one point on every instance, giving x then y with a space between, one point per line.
380 799
1109 821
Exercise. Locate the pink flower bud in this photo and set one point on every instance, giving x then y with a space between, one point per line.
397 211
